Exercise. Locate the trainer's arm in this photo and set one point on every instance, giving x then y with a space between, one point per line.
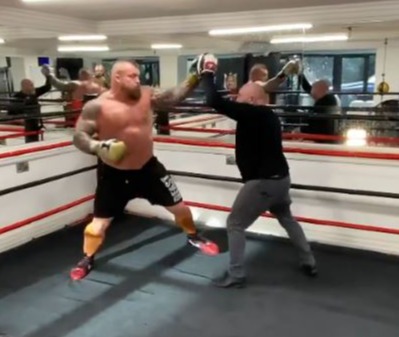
68 86
231 109
175 95
305 83
86 127
44 88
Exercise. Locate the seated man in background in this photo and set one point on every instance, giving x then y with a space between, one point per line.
27 103
324 103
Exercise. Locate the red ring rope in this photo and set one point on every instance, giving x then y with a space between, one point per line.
20 134
331 223
330 153
44 215
313 221
182 128
305 136
205 119
8 129
34 149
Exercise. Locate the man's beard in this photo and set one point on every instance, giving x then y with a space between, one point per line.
134 94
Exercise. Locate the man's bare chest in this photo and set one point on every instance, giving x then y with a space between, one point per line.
121 115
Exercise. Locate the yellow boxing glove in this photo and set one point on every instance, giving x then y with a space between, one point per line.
110 150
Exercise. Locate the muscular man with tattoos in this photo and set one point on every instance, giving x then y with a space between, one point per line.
122 120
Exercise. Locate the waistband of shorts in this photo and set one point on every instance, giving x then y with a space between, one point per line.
106 167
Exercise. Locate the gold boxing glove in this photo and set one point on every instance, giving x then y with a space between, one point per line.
110 150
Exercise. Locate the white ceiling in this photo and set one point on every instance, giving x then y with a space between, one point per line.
132 9
132 25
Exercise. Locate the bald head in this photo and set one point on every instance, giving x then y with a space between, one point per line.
252 93
85 74
125 79
258 72
27 86
320 89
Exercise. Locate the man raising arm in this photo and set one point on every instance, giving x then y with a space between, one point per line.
264 170
121 119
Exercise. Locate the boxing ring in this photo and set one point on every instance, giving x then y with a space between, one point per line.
148 282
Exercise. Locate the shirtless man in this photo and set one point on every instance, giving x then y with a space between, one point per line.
100 76
86 85
122 119
260 75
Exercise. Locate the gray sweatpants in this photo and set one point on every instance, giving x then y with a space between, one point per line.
254 198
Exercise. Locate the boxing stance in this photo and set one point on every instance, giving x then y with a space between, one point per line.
122 119
264 170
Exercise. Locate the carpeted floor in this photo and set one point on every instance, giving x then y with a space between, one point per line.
148 282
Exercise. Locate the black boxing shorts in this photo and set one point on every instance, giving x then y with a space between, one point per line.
115 188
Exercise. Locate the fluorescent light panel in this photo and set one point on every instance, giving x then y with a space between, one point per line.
166 46
82 38
260 29
32 1
67 49
2 41
309 38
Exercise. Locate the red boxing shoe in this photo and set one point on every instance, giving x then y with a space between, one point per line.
82 269
206 246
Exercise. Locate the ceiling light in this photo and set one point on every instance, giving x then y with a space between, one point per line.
28 1
82 38
2 41
259 29
309 39
67 49
166 46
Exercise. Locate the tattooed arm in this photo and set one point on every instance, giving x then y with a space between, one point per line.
175 95
86 127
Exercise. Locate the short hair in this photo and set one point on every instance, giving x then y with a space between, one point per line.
84 70
256 68
131 61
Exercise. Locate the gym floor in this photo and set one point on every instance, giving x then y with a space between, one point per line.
148 282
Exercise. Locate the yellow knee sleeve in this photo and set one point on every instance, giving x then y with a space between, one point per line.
92 240
187 224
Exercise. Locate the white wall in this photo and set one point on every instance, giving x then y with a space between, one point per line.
3 61
17 71
88 62
31 202
168 69
353 173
